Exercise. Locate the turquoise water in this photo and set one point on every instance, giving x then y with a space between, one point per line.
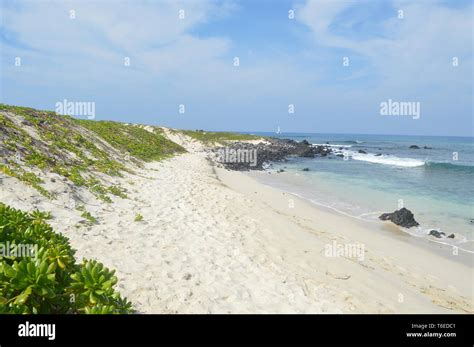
435 183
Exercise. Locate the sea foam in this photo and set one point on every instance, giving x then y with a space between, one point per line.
387 160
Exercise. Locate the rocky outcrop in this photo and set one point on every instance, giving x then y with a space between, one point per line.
402 217
414 147
273 150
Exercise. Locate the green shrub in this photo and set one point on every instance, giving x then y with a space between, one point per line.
39 216
140 143
138 217
50 281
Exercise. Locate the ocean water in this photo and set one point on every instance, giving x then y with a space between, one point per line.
436 183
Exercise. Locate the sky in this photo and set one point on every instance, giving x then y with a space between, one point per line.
333 63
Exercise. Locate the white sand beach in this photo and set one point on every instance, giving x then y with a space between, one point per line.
217 241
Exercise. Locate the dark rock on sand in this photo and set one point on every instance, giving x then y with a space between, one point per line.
451 236
281 170
378 154
362 151
437 233
401 217
414 147
305 169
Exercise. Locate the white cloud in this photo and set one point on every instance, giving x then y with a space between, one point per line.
418 49
104 32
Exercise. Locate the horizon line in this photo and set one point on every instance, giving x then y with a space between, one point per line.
248 131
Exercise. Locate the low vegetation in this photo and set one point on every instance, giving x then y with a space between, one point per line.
33 141
137 141
49 280
210 137
86 214
28 178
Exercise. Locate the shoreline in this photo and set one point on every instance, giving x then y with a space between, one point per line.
330 192
383 238
439 248
422 240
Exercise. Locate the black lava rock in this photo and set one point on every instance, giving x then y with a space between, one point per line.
402 217
275 150
437 234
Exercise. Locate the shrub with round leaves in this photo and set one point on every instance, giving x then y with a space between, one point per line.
50 281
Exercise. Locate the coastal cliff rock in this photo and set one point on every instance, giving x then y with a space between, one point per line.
402 217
